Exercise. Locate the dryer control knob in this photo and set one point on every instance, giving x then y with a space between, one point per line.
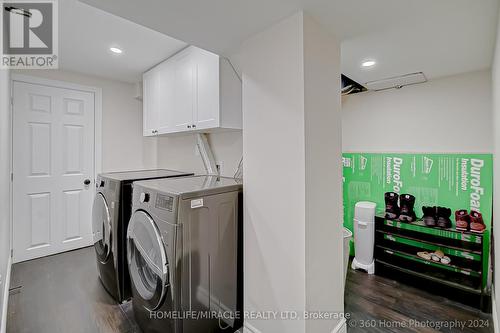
144 197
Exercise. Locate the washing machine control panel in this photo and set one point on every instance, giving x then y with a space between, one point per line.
164 202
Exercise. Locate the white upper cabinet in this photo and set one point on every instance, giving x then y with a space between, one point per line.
166 97
195 90
184 91
151 96
208 96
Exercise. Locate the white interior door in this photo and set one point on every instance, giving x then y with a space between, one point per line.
53 156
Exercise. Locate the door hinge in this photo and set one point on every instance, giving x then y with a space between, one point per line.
11 176
12 101
12 253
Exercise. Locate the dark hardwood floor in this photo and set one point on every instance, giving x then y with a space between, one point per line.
62 294
378 304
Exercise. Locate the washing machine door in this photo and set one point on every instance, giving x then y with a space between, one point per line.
147 260
101 228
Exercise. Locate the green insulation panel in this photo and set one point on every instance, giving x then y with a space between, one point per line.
456 181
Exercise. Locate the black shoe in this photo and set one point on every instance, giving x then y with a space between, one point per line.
407 203
443 217
391 206
430 216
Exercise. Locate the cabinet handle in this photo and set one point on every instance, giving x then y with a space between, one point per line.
189 126
153 131
194 126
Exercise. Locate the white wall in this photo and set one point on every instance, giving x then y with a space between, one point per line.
323 182
291 121
5 161
179 152
123 146
274 180
495 73
451 114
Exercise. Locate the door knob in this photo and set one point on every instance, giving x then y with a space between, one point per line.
86 182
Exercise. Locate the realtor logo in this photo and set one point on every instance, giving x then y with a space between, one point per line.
29 34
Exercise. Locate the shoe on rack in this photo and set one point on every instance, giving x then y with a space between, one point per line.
437 256
462 220
443 217
406 212
476 222
430 216
391 205
445 260
424 255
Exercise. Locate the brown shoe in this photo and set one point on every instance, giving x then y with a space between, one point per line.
424 255
462 220
476 222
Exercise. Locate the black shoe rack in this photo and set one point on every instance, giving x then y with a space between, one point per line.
396 247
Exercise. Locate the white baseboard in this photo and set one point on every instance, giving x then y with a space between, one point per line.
5 303
494 313
341 327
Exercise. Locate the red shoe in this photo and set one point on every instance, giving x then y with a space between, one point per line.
476 222
462 220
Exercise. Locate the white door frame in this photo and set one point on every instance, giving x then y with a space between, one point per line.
97 126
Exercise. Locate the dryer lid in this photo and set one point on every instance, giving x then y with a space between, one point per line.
144 174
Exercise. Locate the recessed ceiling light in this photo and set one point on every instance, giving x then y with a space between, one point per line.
368 63
115 50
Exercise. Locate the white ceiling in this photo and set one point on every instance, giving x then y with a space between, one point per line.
86 34
440 38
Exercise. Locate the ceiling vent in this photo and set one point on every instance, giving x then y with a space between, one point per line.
396 82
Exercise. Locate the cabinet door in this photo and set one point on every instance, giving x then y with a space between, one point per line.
166 98
151 92
207 112
184 91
